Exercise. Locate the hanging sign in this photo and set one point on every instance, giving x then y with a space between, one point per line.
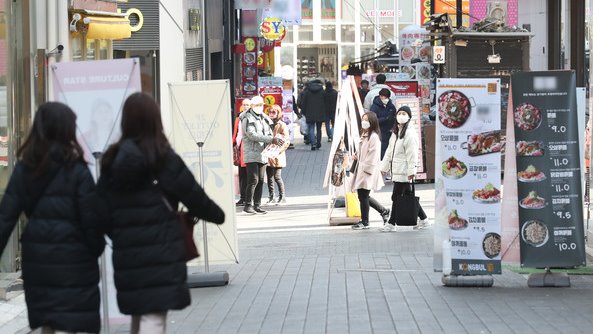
438 54
272 29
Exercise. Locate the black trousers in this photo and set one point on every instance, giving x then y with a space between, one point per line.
255 183
274 174
242 181
367 202
400 188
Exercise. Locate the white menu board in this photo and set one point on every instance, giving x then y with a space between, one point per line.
468 169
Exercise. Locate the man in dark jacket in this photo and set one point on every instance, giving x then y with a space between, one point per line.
385 110
331 99
364 89
313 107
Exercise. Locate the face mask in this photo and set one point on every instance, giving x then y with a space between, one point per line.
365 124
403 119
385 101
258 110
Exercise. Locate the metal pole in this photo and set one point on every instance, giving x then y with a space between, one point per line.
376 19
204 227
102 260
459 13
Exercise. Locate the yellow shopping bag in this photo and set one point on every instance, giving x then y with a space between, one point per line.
352 205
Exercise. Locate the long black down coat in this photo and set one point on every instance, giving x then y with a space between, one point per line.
148 249
312 102
60 245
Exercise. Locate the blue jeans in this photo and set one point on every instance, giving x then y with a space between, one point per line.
312 126
329 127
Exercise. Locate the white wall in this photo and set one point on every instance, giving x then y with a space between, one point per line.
534 12
172 52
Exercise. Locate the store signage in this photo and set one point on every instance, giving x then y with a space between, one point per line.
252 4
547 151
403 88
468 173
438 54
272 29
195 19
384 13
249 67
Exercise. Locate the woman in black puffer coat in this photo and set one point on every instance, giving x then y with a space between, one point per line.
53 186
139 173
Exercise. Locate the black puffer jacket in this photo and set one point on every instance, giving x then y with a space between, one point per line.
148 250
312 102
60 245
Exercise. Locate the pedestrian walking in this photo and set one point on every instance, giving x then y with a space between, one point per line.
363 90
367 176
275 165
142 179
313 107
330 100
385 111
257 132
400 162
374 92
52 185
238 146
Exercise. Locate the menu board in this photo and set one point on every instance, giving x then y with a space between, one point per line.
249 67
548 169
468 148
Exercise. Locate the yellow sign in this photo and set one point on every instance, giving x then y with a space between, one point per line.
260 60
272 29
249 44
270 99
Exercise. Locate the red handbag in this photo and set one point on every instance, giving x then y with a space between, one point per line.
187 226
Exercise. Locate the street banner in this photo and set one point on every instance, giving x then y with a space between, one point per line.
548 169
210 124
468 177
414 104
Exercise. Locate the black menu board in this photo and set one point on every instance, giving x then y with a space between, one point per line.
548 169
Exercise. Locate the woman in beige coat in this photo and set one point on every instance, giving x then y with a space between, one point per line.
367 175
275 165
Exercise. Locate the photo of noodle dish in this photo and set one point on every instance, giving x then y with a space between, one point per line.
527 117
455 222
534 233
530 148
454 108
532 201
453 168
488 194
531 174
491 245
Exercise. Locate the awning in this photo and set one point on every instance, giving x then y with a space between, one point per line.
100 27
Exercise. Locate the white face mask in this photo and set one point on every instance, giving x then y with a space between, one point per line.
403 119
258 110
385 101
365 124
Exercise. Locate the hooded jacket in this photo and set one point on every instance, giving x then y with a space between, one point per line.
60 244
401 157
148 249
386 116
257 132
312 102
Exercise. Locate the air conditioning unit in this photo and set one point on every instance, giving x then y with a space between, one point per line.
498 9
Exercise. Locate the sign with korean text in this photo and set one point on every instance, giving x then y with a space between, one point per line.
548 169
468 173
438 54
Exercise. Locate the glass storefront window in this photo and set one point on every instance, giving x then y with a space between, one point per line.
328 33
289 38
77 48
348 54
367 34
103 49
348 10
90 49
367 51
348 33
286 56
305 33
386 33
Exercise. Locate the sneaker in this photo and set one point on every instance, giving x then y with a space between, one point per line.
360 226
281 200
388 228
240 203
318 145
424 223
385 216
270 201
329 140
313 148
249 209
259 210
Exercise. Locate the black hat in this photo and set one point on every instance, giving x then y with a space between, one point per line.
406 109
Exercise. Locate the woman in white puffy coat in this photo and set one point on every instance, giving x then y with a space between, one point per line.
400 160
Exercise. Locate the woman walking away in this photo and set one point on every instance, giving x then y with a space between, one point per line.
142 182
53 186
400 161
367 176
275 165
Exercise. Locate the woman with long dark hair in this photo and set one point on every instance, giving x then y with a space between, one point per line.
142 179
400 161
367 176
53 186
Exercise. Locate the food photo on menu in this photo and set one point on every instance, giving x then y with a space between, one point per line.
531 174
491 245
455 222
532 201
527 117
454 108
532 148
489 194
484 143
534 233
453 168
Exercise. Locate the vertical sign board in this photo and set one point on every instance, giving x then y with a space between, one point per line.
468 146
548 169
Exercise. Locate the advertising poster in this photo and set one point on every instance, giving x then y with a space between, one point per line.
414 104
414 44
307 9
403 88
249 67
270 89
288 10
468 177
548 169
328 9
